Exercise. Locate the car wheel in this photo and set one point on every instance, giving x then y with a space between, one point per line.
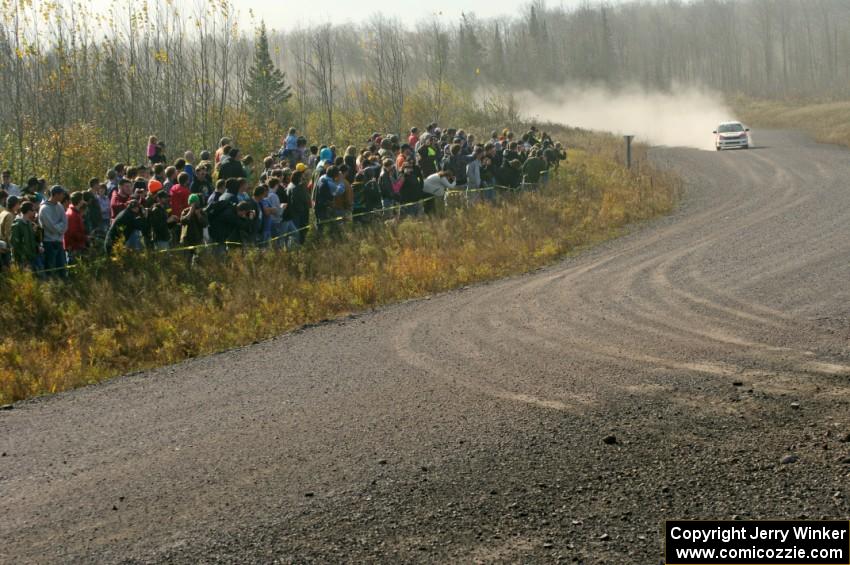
746 146
717 147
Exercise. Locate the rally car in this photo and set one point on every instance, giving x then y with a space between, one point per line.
731 135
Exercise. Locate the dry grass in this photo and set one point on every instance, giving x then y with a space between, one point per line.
140 312
827 122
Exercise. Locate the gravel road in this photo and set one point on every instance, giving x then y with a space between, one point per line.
557 416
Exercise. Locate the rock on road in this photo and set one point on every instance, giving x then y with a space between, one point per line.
703 348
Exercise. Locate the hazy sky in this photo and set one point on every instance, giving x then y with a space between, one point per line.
408 12
286 15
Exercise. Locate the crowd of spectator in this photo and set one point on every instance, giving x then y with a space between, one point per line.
219 201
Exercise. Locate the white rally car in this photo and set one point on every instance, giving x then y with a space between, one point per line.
731 135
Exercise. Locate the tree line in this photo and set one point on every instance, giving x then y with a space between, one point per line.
82 88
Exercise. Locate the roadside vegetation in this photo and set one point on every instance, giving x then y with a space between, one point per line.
827 122
158 310
81 99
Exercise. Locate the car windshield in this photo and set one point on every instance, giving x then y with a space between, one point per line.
727 128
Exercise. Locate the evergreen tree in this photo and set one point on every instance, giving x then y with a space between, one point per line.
537 49
533 24
471 51
266 90
498 65
608 56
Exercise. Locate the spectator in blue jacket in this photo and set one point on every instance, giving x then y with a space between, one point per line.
330 185
54 224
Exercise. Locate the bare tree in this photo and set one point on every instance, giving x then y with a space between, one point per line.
300 50
436 64
321 65
389 58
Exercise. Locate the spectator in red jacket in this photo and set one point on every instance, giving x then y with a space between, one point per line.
120 197
76 237
180 194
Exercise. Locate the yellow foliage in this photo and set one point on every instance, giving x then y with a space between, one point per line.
161 56
84 152
62 336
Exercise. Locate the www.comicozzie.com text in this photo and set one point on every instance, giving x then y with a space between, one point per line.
727 534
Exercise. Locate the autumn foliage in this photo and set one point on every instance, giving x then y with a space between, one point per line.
141 311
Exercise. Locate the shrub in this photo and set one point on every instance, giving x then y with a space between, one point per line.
140 311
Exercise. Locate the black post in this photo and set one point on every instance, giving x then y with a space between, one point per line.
628 139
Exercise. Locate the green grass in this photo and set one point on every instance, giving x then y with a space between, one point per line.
827 122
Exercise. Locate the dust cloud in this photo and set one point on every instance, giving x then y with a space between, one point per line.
684 117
